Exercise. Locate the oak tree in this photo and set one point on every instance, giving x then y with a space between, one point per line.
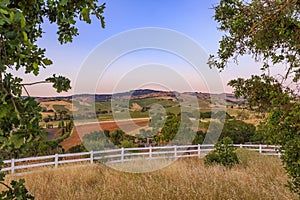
20 28
269 31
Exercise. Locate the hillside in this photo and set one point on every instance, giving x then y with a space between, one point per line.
137 94
85 106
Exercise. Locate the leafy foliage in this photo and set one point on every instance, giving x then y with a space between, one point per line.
261 93
117 136
270 32
20 28
199 137
60 83
171 127
283 127
127 144
223 154
77 148
176 129
238 131
17 191
96 141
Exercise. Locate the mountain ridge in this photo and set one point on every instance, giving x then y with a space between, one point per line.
137 94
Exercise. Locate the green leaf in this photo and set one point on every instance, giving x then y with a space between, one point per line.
3 11
11 35
85 12
17 140
25 36
3 99
4 3
2 22
23 21
35 66
47 61
11 15
63 2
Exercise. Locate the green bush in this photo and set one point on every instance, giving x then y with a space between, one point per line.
224 154
78 148
127 144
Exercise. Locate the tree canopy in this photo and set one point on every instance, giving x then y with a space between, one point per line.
269 30
20 28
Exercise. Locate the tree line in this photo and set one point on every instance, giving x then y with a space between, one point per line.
171 132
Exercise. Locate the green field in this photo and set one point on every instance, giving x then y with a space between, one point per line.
124 109
61 108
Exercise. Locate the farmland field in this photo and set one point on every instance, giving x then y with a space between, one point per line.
81 130
86 112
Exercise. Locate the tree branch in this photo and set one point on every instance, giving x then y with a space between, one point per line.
26 90
278 10
6 185
34 83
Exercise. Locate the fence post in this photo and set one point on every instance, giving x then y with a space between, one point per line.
150 151
122 154
199 150
12 165
92 157
241 146
279 154
175 151
260 148
56 160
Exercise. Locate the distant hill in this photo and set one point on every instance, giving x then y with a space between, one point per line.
138 94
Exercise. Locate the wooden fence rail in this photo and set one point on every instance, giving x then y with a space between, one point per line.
127 154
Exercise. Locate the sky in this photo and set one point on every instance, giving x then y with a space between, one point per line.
155 68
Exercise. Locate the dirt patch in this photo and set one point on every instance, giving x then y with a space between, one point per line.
82 103
47 114
136 107
255 122
52 132
81 130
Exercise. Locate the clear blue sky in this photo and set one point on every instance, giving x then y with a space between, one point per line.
193 18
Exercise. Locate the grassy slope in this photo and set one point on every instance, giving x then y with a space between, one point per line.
258 177
169 106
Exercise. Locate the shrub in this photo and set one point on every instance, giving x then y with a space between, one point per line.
78 148
223 154
127 144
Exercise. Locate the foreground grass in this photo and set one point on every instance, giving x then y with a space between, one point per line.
257 177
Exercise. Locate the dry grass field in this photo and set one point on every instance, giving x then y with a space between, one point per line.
257 177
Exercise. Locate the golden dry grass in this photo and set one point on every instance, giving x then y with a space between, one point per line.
257 177
49 105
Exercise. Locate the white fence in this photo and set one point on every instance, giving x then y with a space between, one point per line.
126 154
